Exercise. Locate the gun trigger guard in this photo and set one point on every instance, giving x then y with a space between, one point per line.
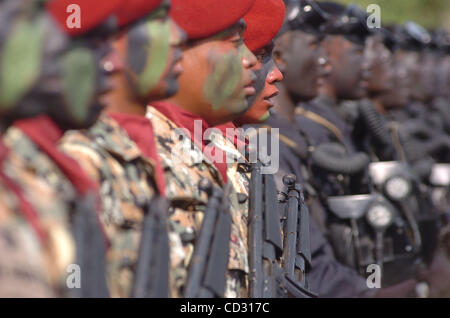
284 197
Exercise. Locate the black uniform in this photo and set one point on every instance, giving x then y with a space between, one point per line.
328 277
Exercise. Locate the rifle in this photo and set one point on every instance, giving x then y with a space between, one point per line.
208 267
297 251
151 279
273 261
90 250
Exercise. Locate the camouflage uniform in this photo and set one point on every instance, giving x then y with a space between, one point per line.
127 187
238 174
47 189
24 261
184 166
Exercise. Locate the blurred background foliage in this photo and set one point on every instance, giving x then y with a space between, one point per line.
428 13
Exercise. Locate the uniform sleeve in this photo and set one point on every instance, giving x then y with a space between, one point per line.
77 146
330 278
22 271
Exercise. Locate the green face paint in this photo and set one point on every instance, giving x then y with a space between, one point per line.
148 51
20 61
264 117
221 85
79 82
158 51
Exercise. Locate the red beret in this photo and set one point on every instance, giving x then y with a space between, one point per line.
132 10
203 18
264 20
92 13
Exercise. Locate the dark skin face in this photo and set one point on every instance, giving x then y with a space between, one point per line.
60 77
429 76
413 60
218 78
145 63
446 76
380 63
398 94
267 74
348 80
442 73
297 54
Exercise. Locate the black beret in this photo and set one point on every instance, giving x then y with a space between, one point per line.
349 21
388 37
412 36
304 15
440 40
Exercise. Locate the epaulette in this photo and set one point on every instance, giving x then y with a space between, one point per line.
287 141
321 121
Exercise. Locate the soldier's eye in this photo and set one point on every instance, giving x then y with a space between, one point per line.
238 42
260 54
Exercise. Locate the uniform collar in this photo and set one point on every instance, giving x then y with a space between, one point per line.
238 141
184 119
114 139
140 131
321 102
44 132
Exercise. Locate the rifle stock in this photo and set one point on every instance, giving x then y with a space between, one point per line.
207 269
273 264
90 250
151 279
297 254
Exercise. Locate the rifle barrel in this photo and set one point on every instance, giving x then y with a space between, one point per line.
202 247
256 278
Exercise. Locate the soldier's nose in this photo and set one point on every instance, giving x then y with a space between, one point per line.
366 74
274 76
112 63
325 66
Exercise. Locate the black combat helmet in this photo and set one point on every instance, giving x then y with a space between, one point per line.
304 15
440 40
412 36
349 21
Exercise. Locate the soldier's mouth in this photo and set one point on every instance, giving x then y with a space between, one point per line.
177 67
250 87
269 100
364 84
249 90
106 86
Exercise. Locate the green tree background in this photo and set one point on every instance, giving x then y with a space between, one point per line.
429 13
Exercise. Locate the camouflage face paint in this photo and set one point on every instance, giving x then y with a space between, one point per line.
79 82
223 88
43 71
148 51
264 117
261 76
20 62
268 76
